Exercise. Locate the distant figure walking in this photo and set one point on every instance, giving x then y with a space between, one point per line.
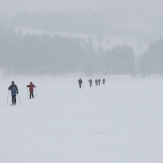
90 82
80 82
103 80
14 92
31 86
99 80
96 81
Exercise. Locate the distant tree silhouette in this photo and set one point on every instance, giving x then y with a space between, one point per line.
45 54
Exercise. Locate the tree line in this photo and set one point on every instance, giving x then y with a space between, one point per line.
44 54
151 61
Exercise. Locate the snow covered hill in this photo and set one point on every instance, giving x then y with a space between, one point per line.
120 122
139 47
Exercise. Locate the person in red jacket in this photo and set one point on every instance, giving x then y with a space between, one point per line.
31 86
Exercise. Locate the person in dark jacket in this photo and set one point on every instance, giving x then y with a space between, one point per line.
103 80
14 91
80 82
90 82
31 86
96 81
99 80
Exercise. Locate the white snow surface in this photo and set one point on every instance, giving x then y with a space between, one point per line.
120 122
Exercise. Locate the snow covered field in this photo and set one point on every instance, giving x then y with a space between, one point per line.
120 122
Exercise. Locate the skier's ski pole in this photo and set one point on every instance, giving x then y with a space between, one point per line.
36 92
7 97
19 99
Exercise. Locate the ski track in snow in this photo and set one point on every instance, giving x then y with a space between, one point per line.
120 122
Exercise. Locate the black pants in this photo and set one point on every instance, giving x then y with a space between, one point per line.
31 95
79 85
14 99
90 84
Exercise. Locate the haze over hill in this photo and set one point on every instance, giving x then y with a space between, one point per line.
141 14
102 25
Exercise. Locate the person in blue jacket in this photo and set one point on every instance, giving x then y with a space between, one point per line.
14 91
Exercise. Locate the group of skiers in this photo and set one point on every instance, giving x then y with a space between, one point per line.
14 91
97 82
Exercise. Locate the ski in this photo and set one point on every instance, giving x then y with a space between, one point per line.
13 104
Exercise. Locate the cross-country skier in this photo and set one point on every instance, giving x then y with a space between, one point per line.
99 80
96 81
31 86
80 82
14 91
103 80
90 82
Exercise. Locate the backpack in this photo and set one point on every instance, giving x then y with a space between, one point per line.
14 89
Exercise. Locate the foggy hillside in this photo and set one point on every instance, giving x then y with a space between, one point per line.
108 37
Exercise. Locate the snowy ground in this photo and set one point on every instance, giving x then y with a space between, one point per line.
120 122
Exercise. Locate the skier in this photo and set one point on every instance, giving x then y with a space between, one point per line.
14 92
96 81
99 80
103 80
90 82
80 82
31 86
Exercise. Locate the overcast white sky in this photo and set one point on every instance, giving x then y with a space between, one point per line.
8 7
